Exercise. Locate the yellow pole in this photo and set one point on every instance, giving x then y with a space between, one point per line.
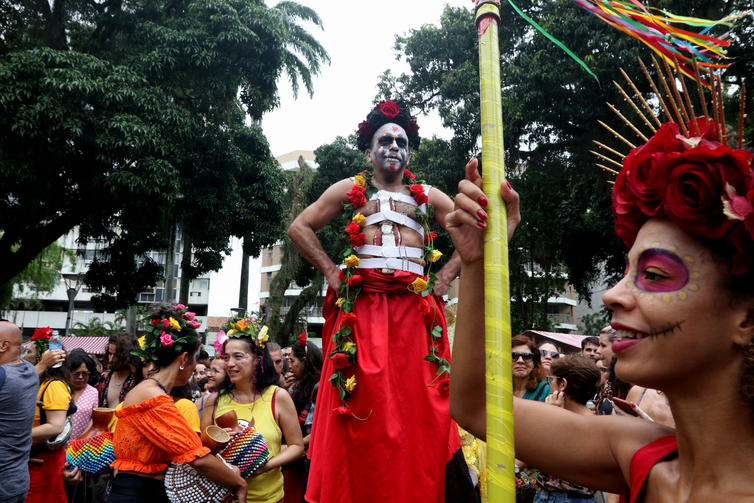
501 484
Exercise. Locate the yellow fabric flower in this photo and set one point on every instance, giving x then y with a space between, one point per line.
340 302
142 340
174 324
352 261
348 345
351 384
360 181
263 337
435 256
232 331
419 285
359 219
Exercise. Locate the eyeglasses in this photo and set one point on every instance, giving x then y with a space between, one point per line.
80 374
527 357
553 354
213 371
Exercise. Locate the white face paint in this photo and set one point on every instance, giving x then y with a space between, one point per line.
389 149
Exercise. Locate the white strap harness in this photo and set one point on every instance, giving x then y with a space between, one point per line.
391 263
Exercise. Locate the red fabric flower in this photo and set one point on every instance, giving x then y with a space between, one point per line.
340 361
354 280
444 387
424 307
353 229
341 276
389 109
166 323
413 129
155 322
430 236
418 192
350 319
366 130
409 174
357 197
629 217
696 181
647 180
302 339
341 412
42 333
358 240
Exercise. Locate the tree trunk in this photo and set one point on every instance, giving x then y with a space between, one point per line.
243 291
186 275
170 264
131 319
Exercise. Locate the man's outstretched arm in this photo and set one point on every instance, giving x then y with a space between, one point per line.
302 230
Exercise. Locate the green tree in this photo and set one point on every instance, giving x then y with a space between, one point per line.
95 327
592 324
122 117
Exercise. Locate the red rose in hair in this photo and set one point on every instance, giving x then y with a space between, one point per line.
409 174
350 319
418 192
354 280
353 229
341 412
357 240
357 197
444 387
697 179
366 130
413 129
647 180
155 322
340 361
389 109
302 339
430 236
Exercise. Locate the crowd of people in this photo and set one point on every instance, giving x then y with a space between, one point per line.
161 404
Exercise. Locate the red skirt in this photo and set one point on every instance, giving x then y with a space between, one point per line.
400 450
46 484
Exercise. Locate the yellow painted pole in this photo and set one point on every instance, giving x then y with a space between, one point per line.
501 484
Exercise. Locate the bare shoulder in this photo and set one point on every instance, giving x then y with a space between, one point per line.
283 397
145 390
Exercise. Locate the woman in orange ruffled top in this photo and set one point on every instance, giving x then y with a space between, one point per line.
151 431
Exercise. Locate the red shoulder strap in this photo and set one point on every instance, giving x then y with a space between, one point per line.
274 393
648 456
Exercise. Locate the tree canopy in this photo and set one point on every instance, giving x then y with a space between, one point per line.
122 116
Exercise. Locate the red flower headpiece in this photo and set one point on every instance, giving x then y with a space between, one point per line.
302 339
705 188
388 112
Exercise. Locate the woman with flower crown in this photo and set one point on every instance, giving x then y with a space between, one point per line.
684 315
151 431
250 389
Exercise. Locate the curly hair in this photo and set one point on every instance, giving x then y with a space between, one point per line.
376 118
312 357
125 343
538 373
582 375
614 387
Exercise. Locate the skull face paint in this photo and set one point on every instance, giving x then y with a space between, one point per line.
658 272
389 149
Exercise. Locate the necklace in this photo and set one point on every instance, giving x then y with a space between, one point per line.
159 384
112 377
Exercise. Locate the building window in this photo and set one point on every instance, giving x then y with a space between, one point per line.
200 284
269 253
269 278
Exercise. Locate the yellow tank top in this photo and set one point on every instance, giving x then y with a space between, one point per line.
268 487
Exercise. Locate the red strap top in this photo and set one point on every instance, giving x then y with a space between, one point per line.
151 434
645 459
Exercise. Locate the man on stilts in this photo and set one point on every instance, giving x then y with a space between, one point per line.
382 431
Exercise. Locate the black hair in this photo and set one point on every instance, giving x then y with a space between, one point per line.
312 358
181 392
590 340
63 373
167 354
203 357
77 357
376 118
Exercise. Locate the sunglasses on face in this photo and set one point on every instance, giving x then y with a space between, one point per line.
553 354
527 357
80 374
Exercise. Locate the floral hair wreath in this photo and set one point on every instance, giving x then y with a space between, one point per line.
702 186
173 331
386 112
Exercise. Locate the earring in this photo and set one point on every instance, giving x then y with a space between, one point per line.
181 367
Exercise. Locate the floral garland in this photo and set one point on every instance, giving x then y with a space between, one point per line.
705 188
168 332
344 353
41 340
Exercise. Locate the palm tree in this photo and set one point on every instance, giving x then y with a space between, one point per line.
303 58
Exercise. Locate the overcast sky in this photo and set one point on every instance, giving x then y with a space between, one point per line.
359 35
